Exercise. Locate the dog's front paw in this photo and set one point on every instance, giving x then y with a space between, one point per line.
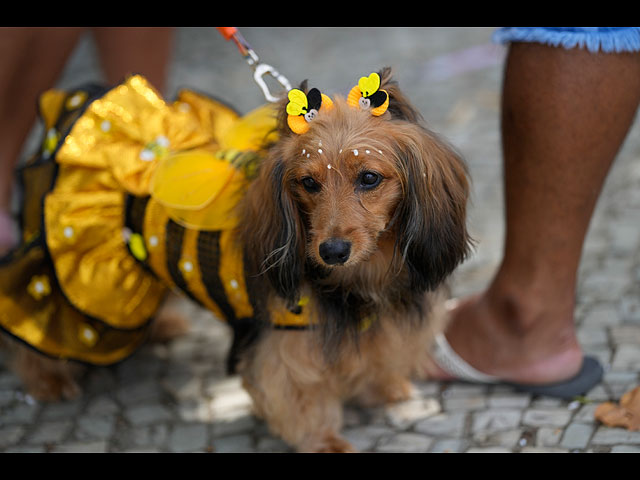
392 390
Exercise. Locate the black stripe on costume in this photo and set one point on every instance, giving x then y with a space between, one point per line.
209 263
174 236
135 208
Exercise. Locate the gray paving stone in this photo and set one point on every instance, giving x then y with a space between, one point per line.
577 435
476 402
449 445
144 391
509 400
83 447
189 438
234 425
625 449
18 414
147 414
548 436
98 427
593 335
60 410
26 449
627 357
10 435
613 436
629 308
585 413
625 334
601 315
489 450
495 420
508 438
153 436
543 450
445 424
233 444
405 442
50 432
102 405
551 417
270 444
365 437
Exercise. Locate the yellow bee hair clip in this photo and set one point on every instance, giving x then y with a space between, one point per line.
367 95
304 108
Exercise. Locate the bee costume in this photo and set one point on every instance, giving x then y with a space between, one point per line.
130 196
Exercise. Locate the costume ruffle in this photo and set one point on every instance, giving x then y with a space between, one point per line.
72 288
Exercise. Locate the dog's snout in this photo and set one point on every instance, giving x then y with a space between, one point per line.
335 251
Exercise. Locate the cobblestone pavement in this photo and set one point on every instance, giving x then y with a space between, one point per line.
176 398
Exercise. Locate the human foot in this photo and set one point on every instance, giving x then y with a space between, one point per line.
508 342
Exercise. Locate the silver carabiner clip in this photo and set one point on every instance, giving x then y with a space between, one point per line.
260 71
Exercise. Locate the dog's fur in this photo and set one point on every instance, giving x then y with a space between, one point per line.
407 234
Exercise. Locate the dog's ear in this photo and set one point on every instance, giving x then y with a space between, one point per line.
274 244
431 218
399 106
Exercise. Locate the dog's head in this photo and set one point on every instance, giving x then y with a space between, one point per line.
357 191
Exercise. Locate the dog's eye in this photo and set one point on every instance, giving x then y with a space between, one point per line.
369 180
310 185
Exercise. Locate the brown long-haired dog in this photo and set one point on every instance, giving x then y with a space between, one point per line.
365 216
357 209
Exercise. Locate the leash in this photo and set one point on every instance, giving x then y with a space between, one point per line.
260 70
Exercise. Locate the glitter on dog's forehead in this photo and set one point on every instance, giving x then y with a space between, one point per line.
324 160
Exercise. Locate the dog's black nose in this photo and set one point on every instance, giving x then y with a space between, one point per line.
335 251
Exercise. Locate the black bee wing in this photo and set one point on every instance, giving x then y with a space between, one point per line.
378 98
314 99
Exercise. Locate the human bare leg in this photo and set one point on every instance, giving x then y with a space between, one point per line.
565 115
128 50
30 61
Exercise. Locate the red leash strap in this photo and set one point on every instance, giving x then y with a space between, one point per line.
232 33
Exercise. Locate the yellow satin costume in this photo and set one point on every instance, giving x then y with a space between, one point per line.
129 196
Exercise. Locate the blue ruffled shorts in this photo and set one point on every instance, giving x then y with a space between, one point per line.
594 39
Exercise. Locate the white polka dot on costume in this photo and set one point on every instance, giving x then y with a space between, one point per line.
88 334
68 232
188 266
367 152
320 150
153 241
39 287
105 126
147 155
76 100
234 284
162 141
355 152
